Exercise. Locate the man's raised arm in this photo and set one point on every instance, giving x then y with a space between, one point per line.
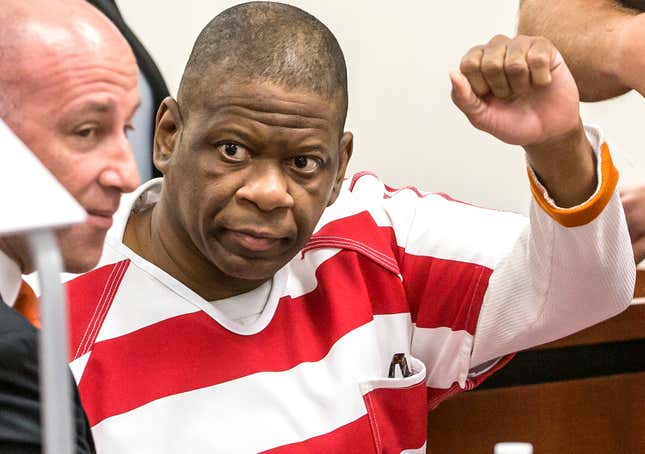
571 267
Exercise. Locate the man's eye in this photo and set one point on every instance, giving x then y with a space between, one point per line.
233 152
85 132
306 164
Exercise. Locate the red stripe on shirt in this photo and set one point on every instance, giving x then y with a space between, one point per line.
440 292
89 299
398 417
415 190
153 362
444 292
361 234
355 438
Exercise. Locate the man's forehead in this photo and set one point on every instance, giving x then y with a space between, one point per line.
265 97
78 84
107 105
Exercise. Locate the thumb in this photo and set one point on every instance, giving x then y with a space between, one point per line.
463 95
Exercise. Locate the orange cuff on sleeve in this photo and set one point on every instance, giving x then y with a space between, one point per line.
589 210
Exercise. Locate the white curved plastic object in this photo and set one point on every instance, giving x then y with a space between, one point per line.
513 448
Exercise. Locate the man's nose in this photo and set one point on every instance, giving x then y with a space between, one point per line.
121 169
266 186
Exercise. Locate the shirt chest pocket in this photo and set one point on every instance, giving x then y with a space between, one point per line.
397 411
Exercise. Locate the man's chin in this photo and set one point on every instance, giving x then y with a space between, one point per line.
81 248
81 263
258 267
250 270
253 275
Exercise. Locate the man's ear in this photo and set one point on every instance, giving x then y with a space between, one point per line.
344 154
167 131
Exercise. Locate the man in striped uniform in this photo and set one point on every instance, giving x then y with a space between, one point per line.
254 300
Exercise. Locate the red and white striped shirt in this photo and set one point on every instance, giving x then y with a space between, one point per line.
455 287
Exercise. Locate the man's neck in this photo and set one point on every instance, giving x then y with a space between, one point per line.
174 253
15 248
10 274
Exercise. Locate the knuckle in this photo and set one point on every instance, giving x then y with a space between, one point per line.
499 38
537 59
516 68
469 65
470 61
491 67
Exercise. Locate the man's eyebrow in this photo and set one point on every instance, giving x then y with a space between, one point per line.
96 106
320 148
103 107
134 110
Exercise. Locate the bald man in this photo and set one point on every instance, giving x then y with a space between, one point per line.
68 90
255 300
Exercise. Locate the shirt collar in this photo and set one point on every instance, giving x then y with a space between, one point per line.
10 279
144 196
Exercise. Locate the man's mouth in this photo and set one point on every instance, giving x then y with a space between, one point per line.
255 241
100 218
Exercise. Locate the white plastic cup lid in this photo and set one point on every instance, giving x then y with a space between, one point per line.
513 448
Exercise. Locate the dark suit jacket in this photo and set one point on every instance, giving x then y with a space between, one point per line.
146 64
19 395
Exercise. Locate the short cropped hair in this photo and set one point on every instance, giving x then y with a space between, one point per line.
271 42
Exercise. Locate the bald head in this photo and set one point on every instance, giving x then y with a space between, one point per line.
268 42
36 34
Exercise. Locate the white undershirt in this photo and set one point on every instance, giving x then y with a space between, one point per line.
247 310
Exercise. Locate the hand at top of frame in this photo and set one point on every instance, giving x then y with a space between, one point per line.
521 91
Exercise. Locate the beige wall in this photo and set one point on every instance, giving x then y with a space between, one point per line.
399 55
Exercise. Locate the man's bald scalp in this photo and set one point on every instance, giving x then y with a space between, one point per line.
27 29
270 42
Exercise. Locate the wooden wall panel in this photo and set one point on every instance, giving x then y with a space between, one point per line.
599 414
604 415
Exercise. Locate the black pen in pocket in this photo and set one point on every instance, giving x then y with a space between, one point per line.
400 360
